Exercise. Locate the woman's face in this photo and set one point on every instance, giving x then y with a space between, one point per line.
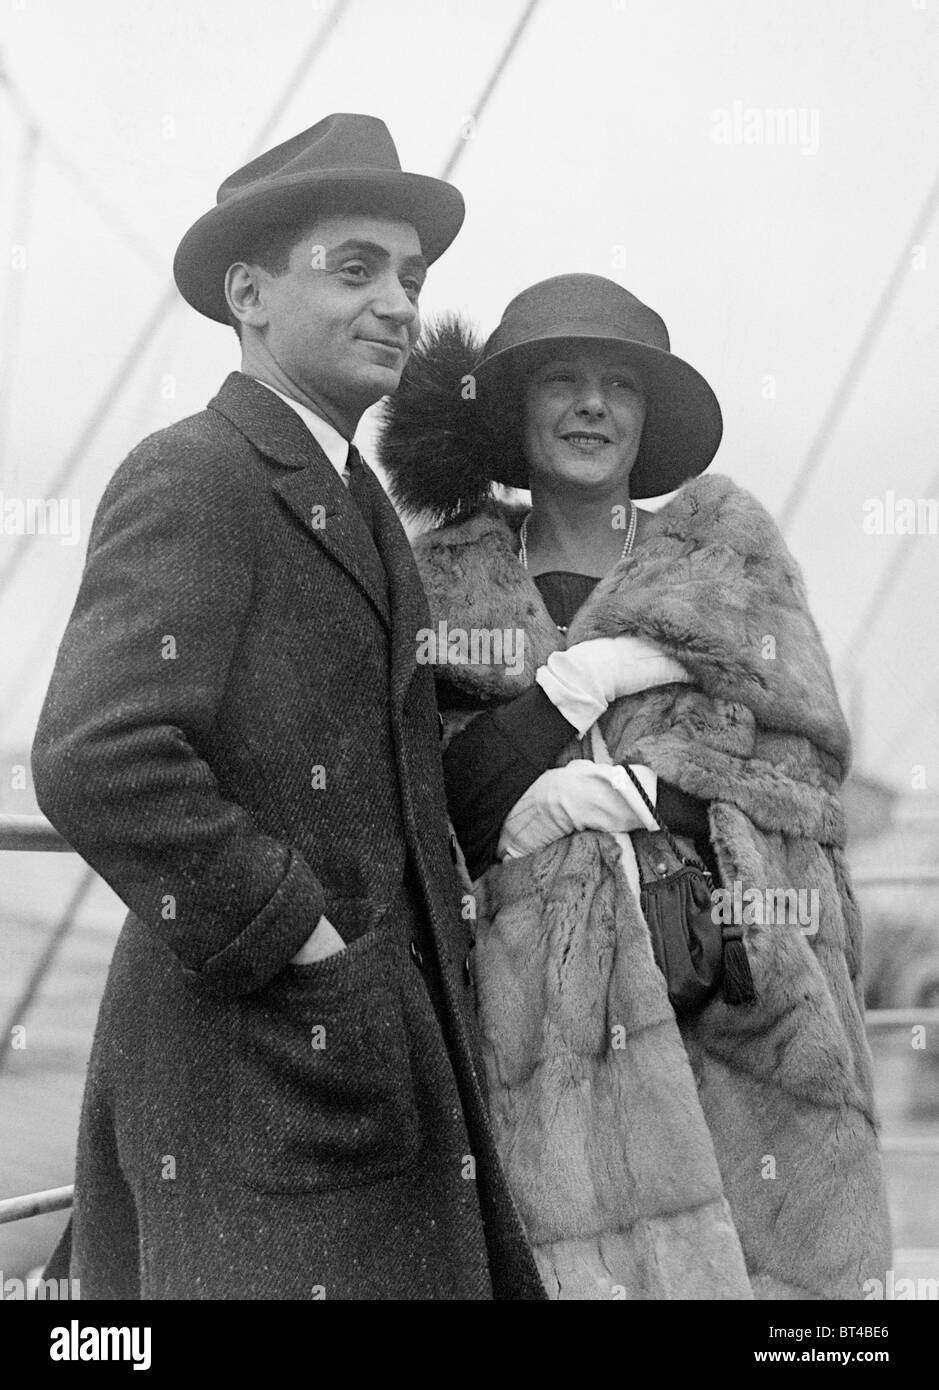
584 412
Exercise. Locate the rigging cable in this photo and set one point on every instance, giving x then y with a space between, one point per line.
859 360
457 152
115 220
872 610
164 304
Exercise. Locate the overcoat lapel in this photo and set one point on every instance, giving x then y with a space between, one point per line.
322 503
312 490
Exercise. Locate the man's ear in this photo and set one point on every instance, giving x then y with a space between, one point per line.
243 293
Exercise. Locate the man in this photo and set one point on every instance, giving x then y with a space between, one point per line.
282 1098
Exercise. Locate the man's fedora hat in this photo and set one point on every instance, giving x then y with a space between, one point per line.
345 161
683 424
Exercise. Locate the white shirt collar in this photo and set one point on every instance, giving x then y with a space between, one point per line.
326 435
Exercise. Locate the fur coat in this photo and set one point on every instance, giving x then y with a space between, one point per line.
732 1155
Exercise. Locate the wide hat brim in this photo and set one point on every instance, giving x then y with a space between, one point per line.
434 208
683 423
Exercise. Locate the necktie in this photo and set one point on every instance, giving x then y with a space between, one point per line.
359 488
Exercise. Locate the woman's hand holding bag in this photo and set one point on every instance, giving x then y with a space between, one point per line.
582 795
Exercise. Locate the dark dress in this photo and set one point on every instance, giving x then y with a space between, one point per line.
501 752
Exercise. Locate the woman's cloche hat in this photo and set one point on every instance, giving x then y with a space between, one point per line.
455 424
683 424
346 161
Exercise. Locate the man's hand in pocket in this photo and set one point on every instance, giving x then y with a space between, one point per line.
325 941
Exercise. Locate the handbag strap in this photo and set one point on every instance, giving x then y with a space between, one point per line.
672 843
601 754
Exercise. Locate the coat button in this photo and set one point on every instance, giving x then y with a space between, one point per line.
467 971
417 955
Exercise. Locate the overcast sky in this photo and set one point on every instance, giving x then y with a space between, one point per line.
623 139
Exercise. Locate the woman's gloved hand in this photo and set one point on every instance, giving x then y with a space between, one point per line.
582 795
583 680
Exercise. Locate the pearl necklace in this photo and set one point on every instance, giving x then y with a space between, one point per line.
627 543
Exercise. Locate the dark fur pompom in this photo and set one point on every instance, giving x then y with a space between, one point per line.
438 447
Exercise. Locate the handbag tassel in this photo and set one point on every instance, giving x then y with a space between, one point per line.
738 987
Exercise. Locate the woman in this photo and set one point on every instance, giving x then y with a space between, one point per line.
726 1153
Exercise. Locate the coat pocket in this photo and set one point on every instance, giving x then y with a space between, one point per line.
321 1088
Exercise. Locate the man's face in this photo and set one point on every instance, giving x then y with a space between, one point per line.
584 413
342 321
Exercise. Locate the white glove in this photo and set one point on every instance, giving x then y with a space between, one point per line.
582 795
583 680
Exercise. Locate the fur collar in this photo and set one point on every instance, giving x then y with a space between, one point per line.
438 448
714 585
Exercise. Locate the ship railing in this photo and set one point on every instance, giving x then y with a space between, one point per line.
34 833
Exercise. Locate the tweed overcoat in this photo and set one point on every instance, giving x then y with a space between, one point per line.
238 738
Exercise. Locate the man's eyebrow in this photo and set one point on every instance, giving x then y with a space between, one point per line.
372 248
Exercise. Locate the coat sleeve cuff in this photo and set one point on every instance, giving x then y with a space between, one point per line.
270 940
536 728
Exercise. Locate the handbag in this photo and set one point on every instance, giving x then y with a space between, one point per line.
696 953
